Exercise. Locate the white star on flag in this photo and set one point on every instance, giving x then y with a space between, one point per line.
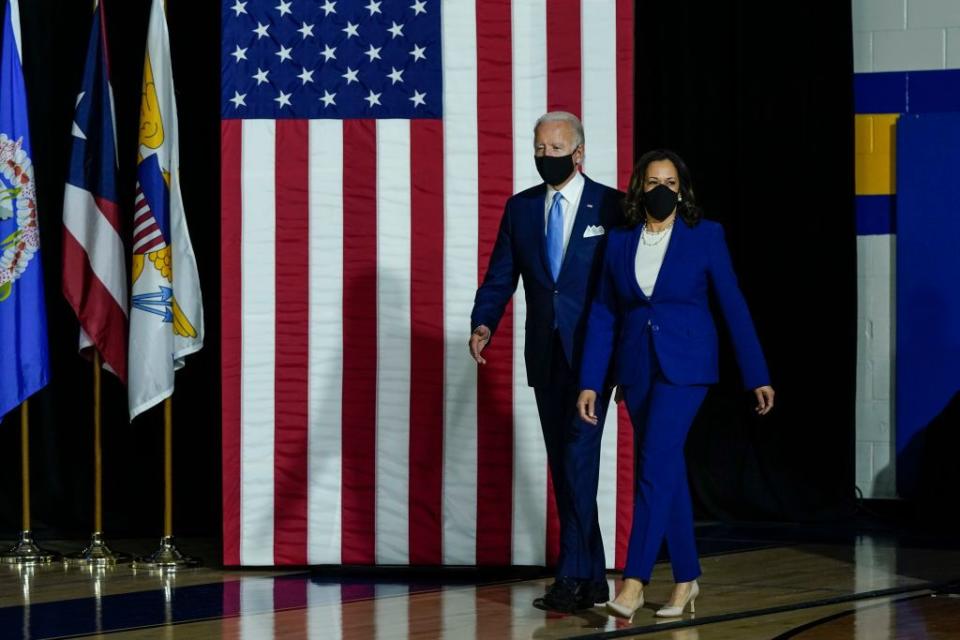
373 52
351 30
418 53
374 7
395 75
328 98
306 30
373 98
306 76
239 7
418 98
283 8
328 53
261 30
238 100
283 99
240 54
419 6
350 76
396 30
284 53
260 76
329 7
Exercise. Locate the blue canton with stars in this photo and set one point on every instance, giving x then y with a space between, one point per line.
331 59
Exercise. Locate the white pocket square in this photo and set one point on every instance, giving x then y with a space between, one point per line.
593 230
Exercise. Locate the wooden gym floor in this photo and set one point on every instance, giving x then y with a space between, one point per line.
767 583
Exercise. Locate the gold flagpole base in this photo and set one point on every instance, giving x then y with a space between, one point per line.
97 554
166 557
26 552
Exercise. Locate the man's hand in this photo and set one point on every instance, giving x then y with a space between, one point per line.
478 340
586 405
764 399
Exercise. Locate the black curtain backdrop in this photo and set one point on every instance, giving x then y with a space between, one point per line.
757 98
758 101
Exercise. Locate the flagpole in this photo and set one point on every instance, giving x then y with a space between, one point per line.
26 552
97 553
167 556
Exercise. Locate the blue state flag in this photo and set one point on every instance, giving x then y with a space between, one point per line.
24 359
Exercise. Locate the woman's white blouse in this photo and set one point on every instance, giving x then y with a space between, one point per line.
649 260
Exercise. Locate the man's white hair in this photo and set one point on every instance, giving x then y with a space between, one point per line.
563 116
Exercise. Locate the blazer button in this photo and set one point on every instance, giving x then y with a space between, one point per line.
556 293
656 327
649 322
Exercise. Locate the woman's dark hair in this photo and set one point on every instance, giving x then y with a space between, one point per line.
687 208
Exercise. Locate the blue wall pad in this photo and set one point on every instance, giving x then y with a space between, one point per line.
880 92
876 215
907 92
928 273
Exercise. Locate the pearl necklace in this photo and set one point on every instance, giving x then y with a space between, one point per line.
659 235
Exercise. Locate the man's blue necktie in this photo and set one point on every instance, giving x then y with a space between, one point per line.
555 235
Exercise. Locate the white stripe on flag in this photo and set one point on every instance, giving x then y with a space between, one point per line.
598 51
529 453
258 330
100 241
460 281
393 341
326 341
599 79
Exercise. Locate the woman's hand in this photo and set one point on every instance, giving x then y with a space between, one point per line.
764 399
586 405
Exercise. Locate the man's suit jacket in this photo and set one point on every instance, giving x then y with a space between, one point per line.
676 316
521 251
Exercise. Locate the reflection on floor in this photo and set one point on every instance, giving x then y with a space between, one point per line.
756 584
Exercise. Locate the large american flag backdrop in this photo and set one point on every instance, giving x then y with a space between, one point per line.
367 152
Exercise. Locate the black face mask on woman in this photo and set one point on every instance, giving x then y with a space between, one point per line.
554 169
660 202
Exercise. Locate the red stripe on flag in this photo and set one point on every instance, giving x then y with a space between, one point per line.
564 89
495 379
291 386
625 454
624 92
103 320
426 342
231 226
359 341
564 84
625 487
111 212
553 523
149 246
143 233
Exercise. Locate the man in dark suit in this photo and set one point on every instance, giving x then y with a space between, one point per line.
553 236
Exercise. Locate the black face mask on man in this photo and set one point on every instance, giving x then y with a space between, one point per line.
660 202
555 169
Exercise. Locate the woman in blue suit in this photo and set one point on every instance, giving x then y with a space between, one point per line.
651 332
